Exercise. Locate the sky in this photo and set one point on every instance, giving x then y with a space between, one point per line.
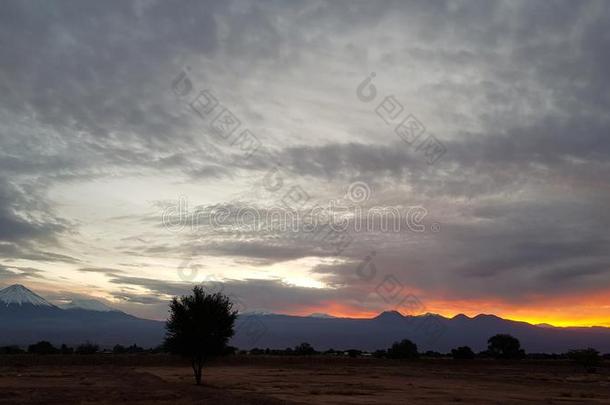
144 144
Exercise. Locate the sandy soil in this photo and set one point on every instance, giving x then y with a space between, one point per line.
306 381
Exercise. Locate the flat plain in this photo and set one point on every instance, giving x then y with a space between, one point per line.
151 379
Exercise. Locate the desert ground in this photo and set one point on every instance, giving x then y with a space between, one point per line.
151 379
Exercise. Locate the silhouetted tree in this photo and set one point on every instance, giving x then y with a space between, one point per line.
588 358
119 349
87 348
354 353
11 350
134 349
462 352
199 327
64 349
380 354
304 349
504 346
158 349
404 349
42 347
229 351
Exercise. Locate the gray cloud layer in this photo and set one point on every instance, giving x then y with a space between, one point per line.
517 91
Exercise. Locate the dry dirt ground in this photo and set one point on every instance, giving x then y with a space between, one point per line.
263 380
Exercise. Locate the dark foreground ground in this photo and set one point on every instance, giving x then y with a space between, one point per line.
108 379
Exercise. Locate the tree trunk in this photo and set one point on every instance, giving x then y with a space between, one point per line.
197 366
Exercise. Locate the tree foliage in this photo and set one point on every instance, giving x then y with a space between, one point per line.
462 352
404 349
64 349
120 349
588 358
87 348
199 327
304 349
13 349
42 347
503 346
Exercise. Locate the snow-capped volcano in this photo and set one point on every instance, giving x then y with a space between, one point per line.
87 304
27 318
19 295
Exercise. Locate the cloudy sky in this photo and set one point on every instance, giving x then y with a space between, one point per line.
138 139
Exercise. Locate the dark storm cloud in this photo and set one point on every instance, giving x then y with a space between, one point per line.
576 147
33 251
248 294
81 85
16 274
258 250
518 92
95 53
160 287
29 227
99 93
545 54
19 208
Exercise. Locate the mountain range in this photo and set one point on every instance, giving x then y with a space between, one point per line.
27 318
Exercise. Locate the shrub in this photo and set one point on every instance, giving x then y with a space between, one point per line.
462 352
65 349
11 350
304 349
119 349
504 346
587 358
87 348
404 349
42 347
134 349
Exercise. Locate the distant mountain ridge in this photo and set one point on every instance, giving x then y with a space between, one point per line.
26 318
87 304
320 315
428 331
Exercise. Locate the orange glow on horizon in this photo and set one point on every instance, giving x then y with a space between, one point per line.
578 311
